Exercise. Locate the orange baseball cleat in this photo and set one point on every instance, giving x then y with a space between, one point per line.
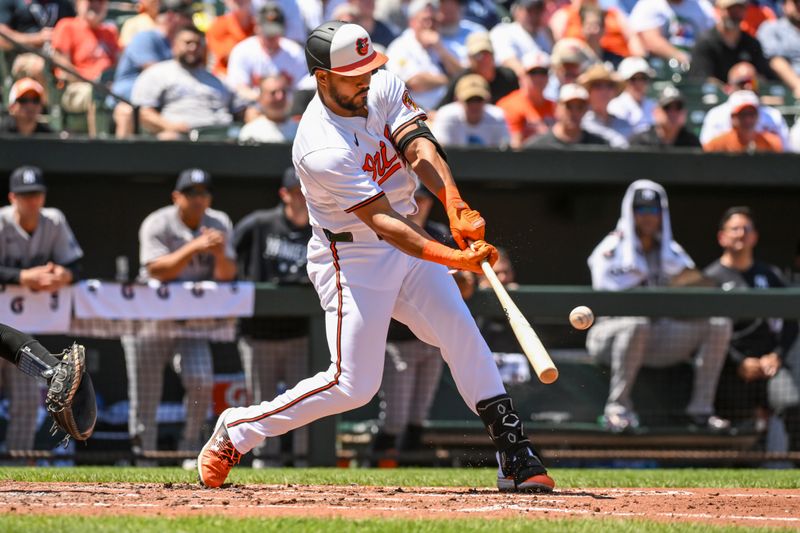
217 457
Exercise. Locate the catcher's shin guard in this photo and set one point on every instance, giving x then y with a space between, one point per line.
520 468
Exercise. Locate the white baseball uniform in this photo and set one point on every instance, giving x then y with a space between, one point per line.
345 163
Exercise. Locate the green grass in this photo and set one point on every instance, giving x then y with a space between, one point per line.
20 524
428 477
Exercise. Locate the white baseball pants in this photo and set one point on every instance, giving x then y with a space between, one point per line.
362 285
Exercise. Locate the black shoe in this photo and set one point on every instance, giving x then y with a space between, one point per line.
710 422
522 471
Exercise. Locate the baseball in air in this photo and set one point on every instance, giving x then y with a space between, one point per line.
581 317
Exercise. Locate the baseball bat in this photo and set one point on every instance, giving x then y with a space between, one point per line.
526 336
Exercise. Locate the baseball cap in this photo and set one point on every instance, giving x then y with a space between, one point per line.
572 91
631 66
415 6
343 48
26 179
290 179
725 4
176 6
535 59
742 99
478 42
192 177
271 20
572 50
472 86
646 198
599 72
670 94
22 87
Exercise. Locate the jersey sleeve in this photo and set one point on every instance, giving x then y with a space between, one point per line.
230 250
336 172
646 16
400 107
66 249
147 89
151 240
237 67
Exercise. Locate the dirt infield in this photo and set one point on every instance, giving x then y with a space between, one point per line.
749 507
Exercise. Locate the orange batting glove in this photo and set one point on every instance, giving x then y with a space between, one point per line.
469 259
465 224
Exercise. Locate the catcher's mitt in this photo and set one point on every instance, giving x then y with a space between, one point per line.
70 396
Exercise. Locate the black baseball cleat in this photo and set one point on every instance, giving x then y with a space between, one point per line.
522 471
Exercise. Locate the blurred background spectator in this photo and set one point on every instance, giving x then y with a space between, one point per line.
781 42
527 33
228 30
573 102
603 85
298 15
634 105
471 120
570 58
669 124
381 33
268 52
527 111
25 101
669 28
454 30
269 120
744 135
144 21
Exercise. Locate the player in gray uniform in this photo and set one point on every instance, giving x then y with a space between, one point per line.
642 253
186 241
37 250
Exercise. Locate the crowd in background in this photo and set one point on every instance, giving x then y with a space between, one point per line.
723 76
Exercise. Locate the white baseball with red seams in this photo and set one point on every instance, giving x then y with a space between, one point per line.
344 163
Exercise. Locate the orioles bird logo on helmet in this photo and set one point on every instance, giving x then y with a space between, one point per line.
362 46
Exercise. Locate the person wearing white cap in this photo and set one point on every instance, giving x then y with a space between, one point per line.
669 28
528 112
744 135
419 56
724 45
527 33
633 104
25 100
471 120
573 102
362 149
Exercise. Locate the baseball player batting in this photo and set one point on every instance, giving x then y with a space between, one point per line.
360 147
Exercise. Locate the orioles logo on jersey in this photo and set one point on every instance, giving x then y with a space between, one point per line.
379 164
410 104
362 46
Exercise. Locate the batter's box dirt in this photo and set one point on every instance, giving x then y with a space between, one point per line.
749 507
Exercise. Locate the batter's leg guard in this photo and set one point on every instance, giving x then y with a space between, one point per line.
519 467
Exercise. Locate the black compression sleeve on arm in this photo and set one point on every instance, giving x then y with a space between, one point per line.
12 341
9 275
76 268
422 130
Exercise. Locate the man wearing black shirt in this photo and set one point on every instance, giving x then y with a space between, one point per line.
756 374
669 124
573 103
271 247
724 45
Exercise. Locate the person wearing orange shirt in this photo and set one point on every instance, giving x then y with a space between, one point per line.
743 137
754 16
227 31
528 113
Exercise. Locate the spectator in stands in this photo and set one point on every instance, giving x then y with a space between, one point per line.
794 136
756 374
717 120
39 252
185 241
227 31
145 49
606 31
528 112
724 45
271 122
573 102
781 42
420 58
570 58
756 13
454 30
295 17
144 21
669 28
179 95
669 124
89 46
603 85
271 247
641 252
527 33
25 101
471 120
381 33
412 369
744 135
30 23
502 80
267 52
633 105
